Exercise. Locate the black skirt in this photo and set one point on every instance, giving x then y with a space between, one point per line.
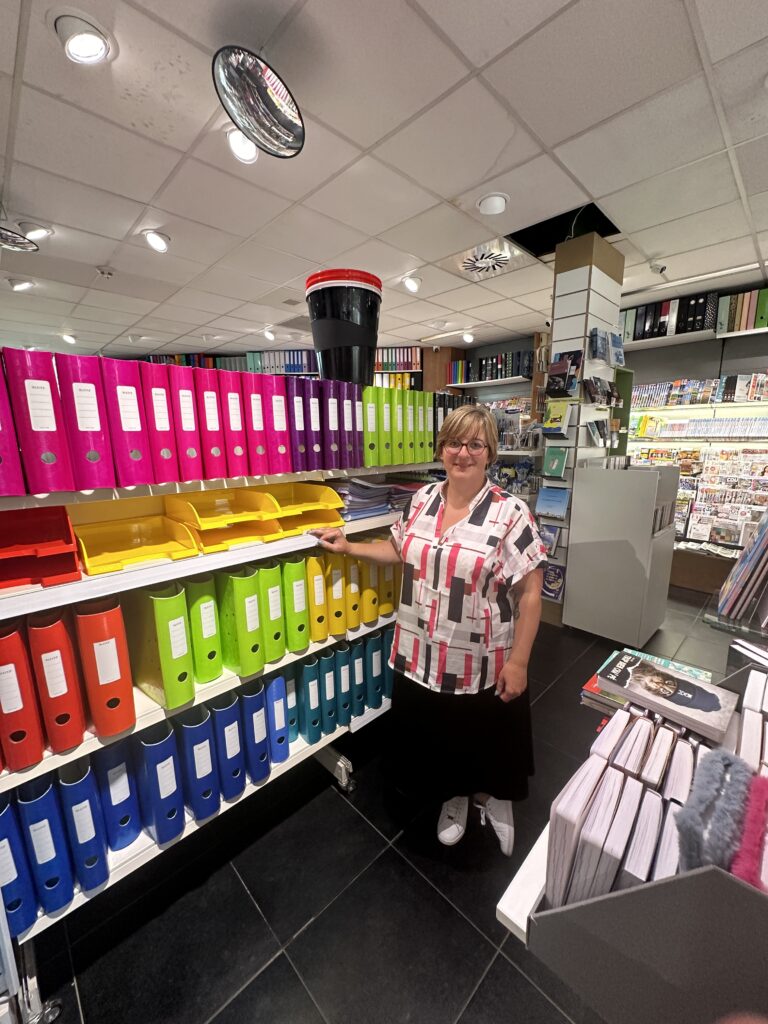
448 744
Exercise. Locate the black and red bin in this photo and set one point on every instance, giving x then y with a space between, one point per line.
344 313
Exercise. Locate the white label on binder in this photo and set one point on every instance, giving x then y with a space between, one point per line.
399 417
430 418
160 407
329 690
53 670
187 409
440 416
279 707
345 678
177 631
208 619
358 671
337 585
119 786
410 419
290 693
86 407
371 417
232 739
348 414
42 841
387 413
83 819
202 755
358 415
299 596
211 405
420 415
377 663
107 664
354 578
235 413
319 585
314 413
259 726
8 871
166 778
298 412
313 695
333 414
389 574
373 575
128 405
273 596
251 613
257 413
40 405
278 412
10 694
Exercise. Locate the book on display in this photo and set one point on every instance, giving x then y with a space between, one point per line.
557 417
554 462
637 864
553 502
550 535
553 583
593 835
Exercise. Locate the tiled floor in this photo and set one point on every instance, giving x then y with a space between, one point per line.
306 905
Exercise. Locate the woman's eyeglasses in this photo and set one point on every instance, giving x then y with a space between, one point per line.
474 447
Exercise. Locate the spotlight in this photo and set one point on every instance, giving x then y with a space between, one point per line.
69 339
83 43
241 146
493 204
269 335
412 283
468 337
156 240
21 286
34 232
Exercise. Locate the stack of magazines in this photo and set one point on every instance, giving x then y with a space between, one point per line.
363 499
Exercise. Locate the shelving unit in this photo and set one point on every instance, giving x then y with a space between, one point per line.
372 523
472 385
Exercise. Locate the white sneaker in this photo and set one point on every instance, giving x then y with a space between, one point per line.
499 813
453 820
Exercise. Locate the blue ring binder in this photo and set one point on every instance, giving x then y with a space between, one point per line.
254 717
119 794
343 680
277 719
310 725
327 686
374 672
199 769
85 823
228 740
159 776
16 885
357 672
46 843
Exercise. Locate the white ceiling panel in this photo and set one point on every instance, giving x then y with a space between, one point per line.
501 310
54 289
693 232
193 300
182 314
70 244
305 233
753 163
466 297
731 27
699 186
9 23
585 51
537 190
37 265
411 332
421 310
433 281
56 137
342 61
113 300
204 194
255 312
370 196
136 286
465 138
735 253
528 322
759 206
230 283
381 259
267 264
10 302
189 239
152 324
437 233
519 282
238 326
143 262
293 297
113 317
213 27
324 154
5 108
740 80
484 28
541 300
632 255
677 127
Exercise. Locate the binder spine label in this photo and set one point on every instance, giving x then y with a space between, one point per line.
410 419
358 671
359 416
348 414
160 408
257 413
312 695
202 755
298 412
279 712
299 596
86 407
337 586
53 670
207 619
399 417
290 693
128 407
333 414
40 405
83 819
211 406
187 409
259 726
177 633
314 414
329 690
119 786
373 573
420 413
8 872
10 694
107 664
235 413
371 418
251 613
166 778
345 678
232 739
377 663
42 841
387 418
278 412
275 609
354 578
319 585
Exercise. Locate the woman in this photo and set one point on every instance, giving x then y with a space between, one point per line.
469 612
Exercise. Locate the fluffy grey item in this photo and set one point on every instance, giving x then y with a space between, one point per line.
719 794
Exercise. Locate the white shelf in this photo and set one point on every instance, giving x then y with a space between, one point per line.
412 467
743 334
525 891
372 523
491 383
691 442
700 407
514 452
149 713
669 339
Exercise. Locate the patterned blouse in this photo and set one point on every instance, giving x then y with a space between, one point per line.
455 623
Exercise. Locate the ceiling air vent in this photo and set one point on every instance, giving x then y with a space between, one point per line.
486 261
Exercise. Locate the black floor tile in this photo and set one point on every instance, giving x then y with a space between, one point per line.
691 601
276 995
390 950
543 978
554 649
703 654
474 873
561 720
505 995
376 799
297 868
537 687
553 769
173 956
57 985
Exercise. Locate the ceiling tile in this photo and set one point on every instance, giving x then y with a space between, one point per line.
338 59
676 128
466 297
37 265
417 312
528 322
236 325
255 312
323 155
433 281
203 194
105 316
230 283
267 264
632 255
731 27
183 314
303 232
143 262
370 197
9 23
437 233
381 259
137 286
759 206
665 197
154 323
484 28
205 302
5 108
12 301
495 311
694 231
537 190
54 289
753 162
586 50
203 21
541 300
288 295
189 239
465 138
411 332
740 82
112 300
71 244
518 282
735 253
56 137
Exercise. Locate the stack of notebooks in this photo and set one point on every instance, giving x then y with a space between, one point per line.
592 694
397 360
363 499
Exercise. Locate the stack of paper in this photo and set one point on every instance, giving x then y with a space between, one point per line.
636 742
593 835
363 499
636 868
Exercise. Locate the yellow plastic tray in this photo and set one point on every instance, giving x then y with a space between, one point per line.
295 498
315 519
109 546
212 510
237 535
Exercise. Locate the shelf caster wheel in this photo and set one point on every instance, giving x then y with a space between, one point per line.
50 1012
349 788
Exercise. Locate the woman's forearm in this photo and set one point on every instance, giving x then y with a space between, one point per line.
528 618
381 552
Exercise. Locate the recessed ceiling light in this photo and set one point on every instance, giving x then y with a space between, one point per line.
468 337
34 232
440 325
412 283
492 204
69 339
269 335
242 148
156 240
83 42
21 286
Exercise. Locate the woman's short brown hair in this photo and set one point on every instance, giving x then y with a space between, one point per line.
466 422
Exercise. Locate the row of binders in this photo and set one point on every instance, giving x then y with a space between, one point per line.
85 422
62 673
401 426
298 361
57 832
672 316
397 360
